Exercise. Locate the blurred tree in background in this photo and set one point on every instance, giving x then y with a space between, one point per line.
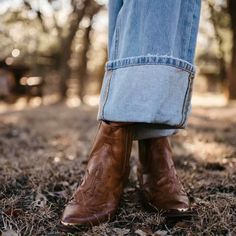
232 70
220 49
48 34
64 42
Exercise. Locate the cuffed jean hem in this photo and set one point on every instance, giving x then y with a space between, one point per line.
147 89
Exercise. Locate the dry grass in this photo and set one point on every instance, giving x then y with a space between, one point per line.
43 156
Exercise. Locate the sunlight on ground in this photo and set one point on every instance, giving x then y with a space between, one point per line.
73 102
22 103
91 100
209 100
199 100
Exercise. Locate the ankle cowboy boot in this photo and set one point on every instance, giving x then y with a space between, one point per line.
159 183
97 198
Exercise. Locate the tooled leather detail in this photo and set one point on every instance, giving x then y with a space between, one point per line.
99 194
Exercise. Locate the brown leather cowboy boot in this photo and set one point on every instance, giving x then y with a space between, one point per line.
97 198
159 183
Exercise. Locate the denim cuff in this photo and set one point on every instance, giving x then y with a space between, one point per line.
147 89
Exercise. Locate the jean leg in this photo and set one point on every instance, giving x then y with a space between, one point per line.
114 7
149 75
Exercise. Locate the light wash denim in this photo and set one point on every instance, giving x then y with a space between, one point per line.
149 73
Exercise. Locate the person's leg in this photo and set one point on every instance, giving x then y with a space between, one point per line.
148 81
114 7
150 71
97 198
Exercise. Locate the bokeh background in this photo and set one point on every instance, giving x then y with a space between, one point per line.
52 57
53 50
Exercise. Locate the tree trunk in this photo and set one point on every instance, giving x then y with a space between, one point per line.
66 44
232 68
64 67
222 63
83 62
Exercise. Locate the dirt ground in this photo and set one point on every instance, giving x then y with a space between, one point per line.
43 154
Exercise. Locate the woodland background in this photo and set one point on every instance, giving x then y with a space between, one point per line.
64 43
52 57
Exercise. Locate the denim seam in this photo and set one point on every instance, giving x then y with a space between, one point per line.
150 60
191 29
189 100
147 64
106 94
184 104
117 33
115 38
195 25
187 32
184 113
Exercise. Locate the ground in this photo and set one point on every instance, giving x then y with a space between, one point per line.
43 154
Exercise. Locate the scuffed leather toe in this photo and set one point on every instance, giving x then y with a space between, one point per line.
76 214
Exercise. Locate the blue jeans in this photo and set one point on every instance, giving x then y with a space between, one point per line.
149 74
